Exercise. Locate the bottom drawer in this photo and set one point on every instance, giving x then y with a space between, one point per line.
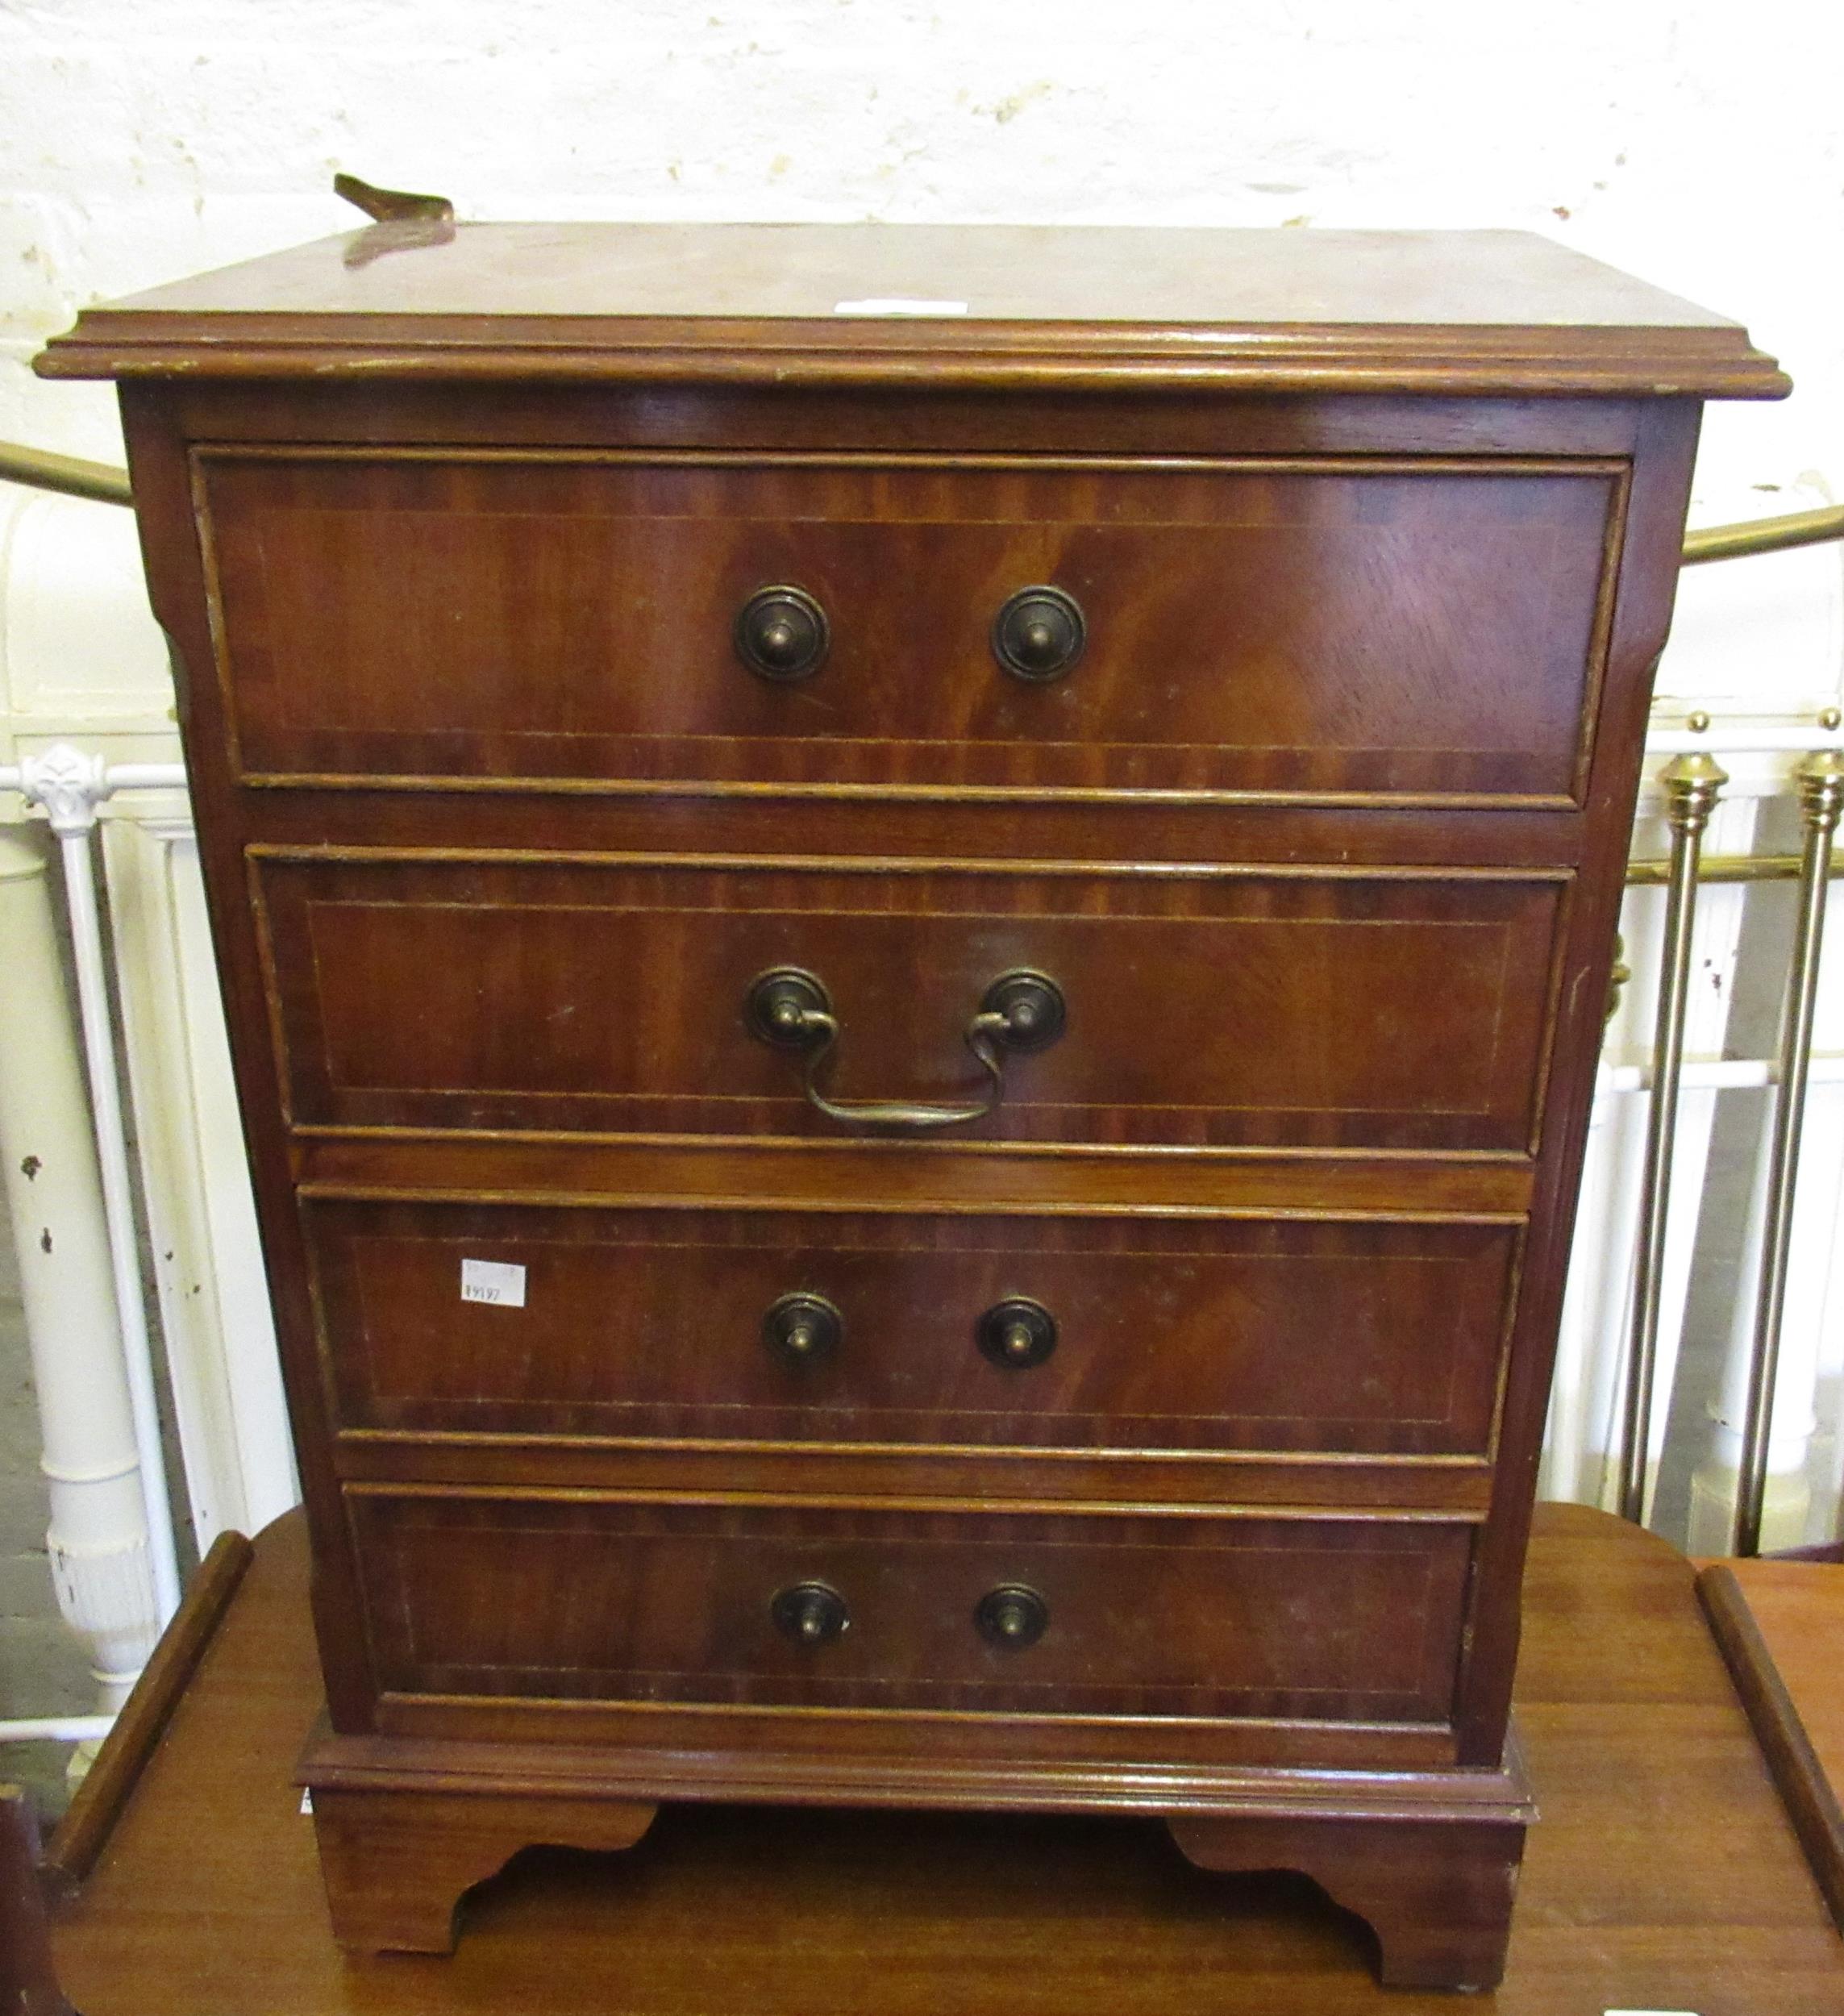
536 1598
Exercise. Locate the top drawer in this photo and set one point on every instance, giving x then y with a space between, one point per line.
1418 630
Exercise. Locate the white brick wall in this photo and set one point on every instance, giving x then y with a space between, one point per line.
139 143
1697 144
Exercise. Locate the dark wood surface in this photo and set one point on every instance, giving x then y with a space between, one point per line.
1320 836
28 1975
403 1074
1451 645
1438 1896
1436 311
1192 1333
1433 1027
1661 1875
1207 1008
397 1863
1353 1619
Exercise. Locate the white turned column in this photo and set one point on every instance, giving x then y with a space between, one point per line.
98 1535
222 1371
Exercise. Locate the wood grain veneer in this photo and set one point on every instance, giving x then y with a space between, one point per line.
1489 312
1452 642
1374 540
1345 1337
592 1599
1207 1007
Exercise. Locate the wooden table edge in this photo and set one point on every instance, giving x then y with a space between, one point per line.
78 1838
1806 1792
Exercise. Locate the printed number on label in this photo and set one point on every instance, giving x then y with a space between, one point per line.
500 1281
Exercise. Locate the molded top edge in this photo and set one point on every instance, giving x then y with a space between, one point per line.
1500 311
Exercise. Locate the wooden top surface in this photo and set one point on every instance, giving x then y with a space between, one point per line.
1475 311
1799 1607
1663 1874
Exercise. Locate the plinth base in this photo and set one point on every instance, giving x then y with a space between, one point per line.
1429 1859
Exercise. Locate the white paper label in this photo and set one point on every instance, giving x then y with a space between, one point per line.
898 305
500 1281
307 1803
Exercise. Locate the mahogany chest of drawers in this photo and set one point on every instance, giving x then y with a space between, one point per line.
915 924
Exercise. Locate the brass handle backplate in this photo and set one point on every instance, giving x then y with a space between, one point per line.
1039 634
1022 1010
781 634
1012 1616
810 1613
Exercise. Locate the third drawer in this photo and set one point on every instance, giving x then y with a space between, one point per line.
1363 1336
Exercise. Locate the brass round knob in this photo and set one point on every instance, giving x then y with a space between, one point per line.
1012 1616
1039 634
801 1328
781 633
810 1613
1016 1333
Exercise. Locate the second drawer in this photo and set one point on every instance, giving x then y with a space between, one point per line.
1352 1337
1327 1006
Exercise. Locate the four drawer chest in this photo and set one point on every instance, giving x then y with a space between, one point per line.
915 924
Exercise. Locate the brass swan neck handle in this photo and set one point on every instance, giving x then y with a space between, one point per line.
1020 1010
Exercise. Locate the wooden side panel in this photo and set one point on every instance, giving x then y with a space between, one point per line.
1427 629
1333 1009
1350 1338
1339 1618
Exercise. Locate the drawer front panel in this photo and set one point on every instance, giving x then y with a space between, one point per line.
1322 1008
1343 1338
1427 630
1339 1619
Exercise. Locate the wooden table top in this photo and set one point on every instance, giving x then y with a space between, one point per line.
1779 1624
1664 1875
1154 276
1800 1608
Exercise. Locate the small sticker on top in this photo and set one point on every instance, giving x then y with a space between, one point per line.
500 1281
898 305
